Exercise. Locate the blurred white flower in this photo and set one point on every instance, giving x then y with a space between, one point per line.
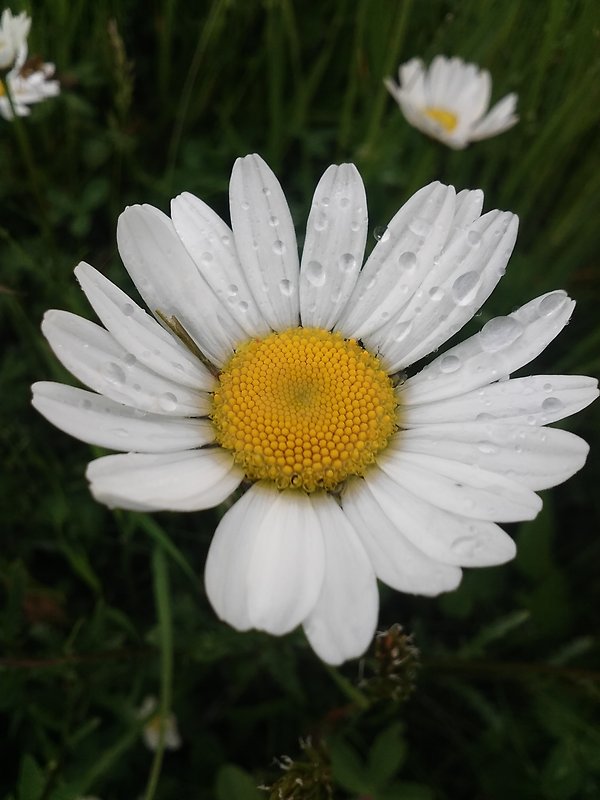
154 721
29 81
450 100
13 36
282 376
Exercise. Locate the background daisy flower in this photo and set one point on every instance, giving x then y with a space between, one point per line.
28 82
13 36
153 721
281 376
449 101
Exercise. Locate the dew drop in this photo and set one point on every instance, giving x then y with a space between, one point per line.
474 238
232 290
464 288
278 247
499 333
344 202
266 191
551 404
547 387
420 227
450 364
407 261
436 293
347 262
128 309
381 233
402 330
315 273
487 448
226 240
551 303
243 306
115 374
321 222
286 287
355 225
129 359
273 221
465 546
245 205
206 257
167 401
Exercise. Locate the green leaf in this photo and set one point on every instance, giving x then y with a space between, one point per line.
347 768
405 790
31 780
234 783
387 755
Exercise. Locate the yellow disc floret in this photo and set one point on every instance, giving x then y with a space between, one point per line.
305 408
446 119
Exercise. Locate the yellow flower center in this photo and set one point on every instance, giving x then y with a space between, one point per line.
2 89
305 408
446 119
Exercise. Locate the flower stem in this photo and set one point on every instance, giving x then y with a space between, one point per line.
162 600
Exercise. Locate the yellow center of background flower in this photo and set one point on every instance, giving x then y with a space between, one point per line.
305 408
446 119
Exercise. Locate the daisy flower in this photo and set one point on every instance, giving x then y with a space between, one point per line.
153 721
13 36
450 100
30 81
284 380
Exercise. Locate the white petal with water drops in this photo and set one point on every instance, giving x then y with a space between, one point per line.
97 420
334 246
268 253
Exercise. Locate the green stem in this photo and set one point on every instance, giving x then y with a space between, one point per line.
355 696
163 608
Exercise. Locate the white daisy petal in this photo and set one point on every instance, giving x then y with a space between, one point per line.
97 420
537 458
344 619
186 481
399 261
169 281
443 536
452 291
210 243
503 345
140 334
499 119
396 561
266 562
334 246
265 240
287 564
459 487
534 400
93 356
469 203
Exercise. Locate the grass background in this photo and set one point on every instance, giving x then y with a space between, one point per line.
100 609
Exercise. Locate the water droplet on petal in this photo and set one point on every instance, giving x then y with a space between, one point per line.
487 448
226 240
273 221
321 221
206 257
436 293
128 309
286 287
347 262
243 306
355 225
450 364
402 330
245 205
115 374
266 191
551 404
344 202
407 261
547 387
167 401
232 290
499 333
86 403
129 359
551 303
465 546
420 227
381 233
474 238
315 273
464 288
278 247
